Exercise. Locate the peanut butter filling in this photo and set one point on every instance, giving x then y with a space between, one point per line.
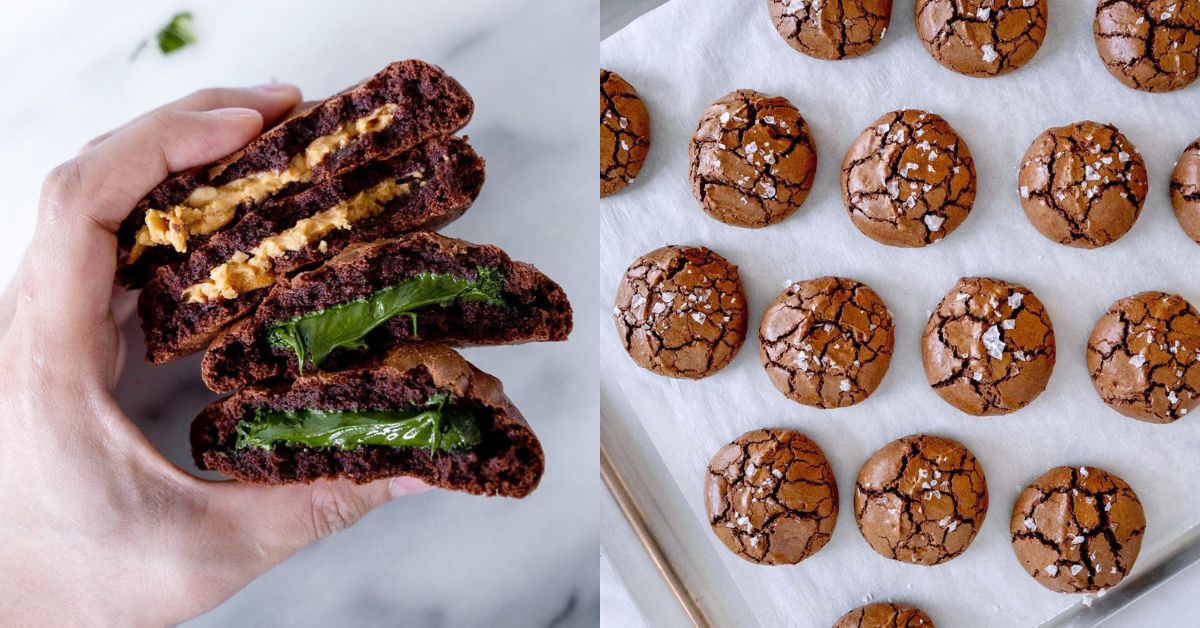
244 272
209 208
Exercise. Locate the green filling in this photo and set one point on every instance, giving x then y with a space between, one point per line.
315 335
177 33
434 427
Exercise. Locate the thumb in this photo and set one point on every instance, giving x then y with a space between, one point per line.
276 521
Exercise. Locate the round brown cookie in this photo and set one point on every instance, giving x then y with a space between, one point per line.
1150 45
920 499
624 133
753 159
989 347
771 497
1144 357
908 180
982 37
1077 529
826 342
831 29
681 311
885 615
1083 184
1185 190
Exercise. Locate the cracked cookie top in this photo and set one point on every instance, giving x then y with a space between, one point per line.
908 179
1077 530
624 133
753 159
771 497
826 342
1185 190
1083 184
982 37
831 29
1144 357
885 615
989 347
1149 45
681 311
920 499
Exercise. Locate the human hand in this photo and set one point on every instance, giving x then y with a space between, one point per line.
99 528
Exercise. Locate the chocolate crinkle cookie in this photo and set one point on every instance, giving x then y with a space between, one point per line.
908 180
885 615
920 499
624 133
826 342
1144 357
752 159
771 497
1077 530
1185 190
1083 184
1149 45
681 311
989 347
982 37
831 29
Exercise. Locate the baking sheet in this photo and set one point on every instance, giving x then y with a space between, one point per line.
686 54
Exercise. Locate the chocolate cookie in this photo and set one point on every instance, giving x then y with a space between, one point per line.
681 311
1082 185
885 615
1151 45
1185 190
753 159
908 180
1077 530
771 497
920 499
624 133
982 37
1144 357
988 348
826 342
833 29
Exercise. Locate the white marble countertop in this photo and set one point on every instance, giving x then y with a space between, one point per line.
438 559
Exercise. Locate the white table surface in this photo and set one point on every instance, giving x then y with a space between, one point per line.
439 559
1174 603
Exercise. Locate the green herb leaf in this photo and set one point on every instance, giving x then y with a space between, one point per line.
434 427
315 335
177 33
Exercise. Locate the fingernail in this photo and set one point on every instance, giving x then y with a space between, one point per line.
235 112
273 87
399 487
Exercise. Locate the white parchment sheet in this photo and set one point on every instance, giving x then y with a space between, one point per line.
686 54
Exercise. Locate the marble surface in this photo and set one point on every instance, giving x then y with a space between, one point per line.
438 559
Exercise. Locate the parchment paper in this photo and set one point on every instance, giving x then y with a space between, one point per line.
686 54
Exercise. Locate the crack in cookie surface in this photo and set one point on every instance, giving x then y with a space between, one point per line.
752 159
908 180
1144 357
771 497
1077 530
1185 190
989 347
920 499
624 133
831 29
885 615
826 342
681 311
982 37
1083 184
1149 45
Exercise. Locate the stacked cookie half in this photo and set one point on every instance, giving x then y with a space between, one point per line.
306 265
